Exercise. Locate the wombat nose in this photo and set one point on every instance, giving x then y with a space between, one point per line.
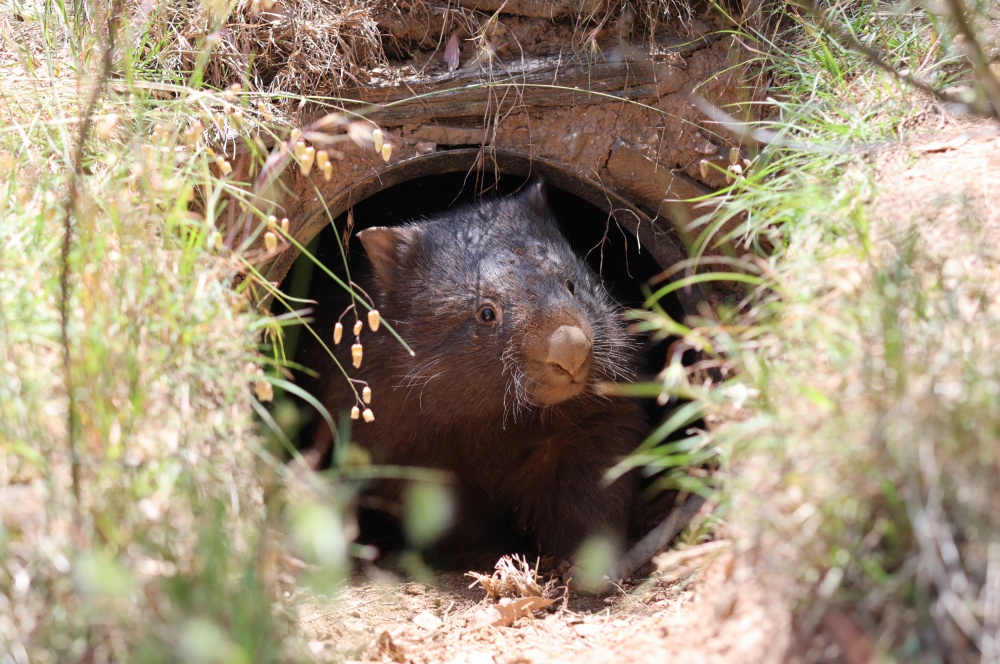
569 349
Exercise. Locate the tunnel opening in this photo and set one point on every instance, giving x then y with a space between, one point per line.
600 235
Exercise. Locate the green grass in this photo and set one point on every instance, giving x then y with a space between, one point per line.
142 518
862 460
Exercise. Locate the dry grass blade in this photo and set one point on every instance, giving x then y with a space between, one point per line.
513 578
289 50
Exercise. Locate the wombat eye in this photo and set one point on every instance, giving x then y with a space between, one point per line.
570 287
486 315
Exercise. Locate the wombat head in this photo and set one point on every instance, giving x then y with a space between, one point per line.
501 312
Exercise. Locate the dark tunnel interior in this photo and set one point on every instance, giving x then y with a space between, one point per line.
609 249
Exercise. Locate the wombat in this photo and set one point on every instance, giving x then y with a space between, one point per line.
513 335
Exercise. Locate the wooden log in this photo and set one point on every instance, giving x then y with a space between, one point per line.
563 80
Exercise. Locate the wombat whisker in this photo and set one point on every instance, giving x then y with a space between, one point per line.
420 397
418 373
515 397
419 376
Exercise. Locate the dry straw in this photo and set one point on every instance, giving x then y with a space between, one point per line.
292 49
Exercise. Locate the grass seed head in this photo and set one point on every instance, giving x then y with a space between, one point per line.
357 352
355 413
322 158
360 133
378 139
338 333
284 225
366 394
327 171
192 135
264 390
262 108
368 415
357 327
308 156
224 166
270 241
387 152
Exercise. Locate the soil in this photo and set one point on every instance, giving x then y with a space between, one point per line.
942 184
716 614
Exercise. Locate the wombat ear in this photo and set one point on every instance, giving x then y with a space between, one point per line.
536 195
387 248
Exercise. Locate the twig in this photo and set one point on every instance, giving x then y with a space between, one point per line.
974 52
659 537
69 207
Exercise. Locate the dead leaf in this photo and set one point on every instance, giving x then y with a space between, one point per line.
452 52
504 615
943 146
488 616
387 647
854 643
428 621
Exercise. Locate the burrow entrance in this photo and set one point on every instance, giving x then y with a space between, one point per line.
609 247
605 235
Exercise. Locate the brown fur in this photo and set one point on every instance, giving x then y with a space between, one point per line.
467 402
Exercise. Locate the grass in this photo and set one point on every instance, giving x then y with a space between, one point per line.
145 517
863 451
144 505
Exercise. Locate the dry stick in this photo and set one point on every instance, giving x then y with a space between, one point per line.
86 123
974 52
850 41
659 537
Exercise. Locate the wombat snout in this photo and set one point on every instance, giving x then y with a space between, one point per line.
563 373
